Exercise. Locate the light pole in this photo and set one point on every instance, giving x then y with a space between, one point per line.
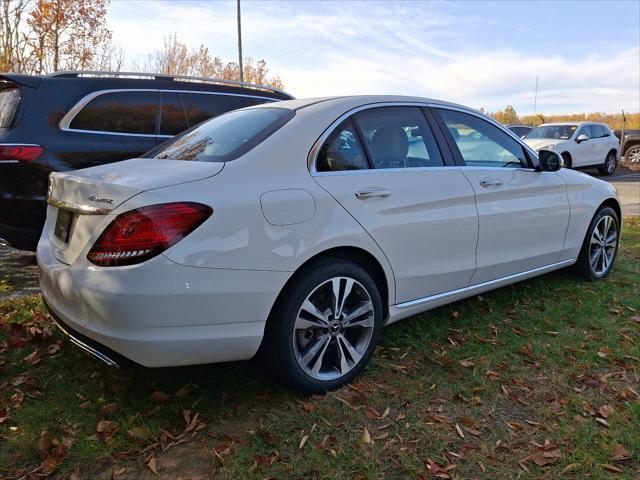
240 44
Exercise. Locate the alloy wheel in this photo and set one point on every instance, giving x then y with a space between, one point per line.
633 154
333 328
602 248
611 164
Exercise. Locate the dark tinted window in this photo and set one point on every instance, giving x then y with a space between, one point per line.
399 137
599 131
200 107
520 131
226 137
342 150
173 118
482 144
9 100
119 112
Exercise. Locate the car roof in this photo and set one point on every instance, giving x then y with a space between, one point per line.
578 124
353 101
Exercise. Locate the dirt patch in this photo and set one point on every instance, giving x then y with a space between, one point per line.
18 273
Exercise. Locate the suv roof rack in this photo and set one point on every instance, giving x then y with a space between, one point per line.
163 76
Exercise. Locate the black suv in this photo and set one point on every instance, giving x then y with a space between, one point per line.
71 120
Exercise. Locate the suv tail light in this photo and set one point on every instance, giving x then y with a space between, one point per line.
10 152
138 235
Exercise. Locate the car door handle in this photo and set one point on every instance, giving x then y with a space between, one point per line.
490 182
372 192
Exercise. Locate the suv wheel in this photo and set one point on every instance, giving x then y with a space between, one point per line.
609 165
633 154
600 245
566 160
325 330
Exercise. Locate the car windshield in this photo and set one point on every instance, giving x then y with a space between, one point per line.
561 132
226 137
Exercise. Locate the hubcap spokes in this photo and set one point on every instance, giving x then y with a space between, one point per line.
602 246
634 155
333 328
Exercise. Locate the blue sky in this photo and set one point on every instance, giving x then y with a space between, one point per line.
482 54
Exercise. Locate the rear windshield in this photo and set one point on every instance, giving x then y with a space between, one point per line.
9 99
226 137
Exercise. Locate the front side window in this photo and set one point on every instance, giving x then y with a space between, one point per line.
585 130
599 131
226 137
119 112
482 144
173 118
398 137
342 150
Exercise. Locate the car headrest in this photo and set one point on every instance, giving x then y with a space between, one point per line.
389 146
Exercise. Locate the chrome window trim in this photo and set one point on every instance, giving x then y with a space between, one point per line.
315 149
65 122
492 122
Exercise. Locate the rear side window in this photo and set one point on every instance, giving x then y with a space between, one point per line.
9 100
226 137
482 144
342 150
183 110
119 112
200 107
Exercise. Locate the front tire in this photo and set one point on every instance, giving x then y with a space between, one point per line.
566 160
600 245
609 165
325 327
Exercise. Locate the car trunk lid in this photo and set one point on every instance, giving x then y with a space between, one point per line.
81 202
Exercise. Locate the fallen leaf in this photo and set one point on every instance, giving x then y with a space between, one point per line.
53 348
385 414
602 422
527 350
620 453
303 441
366 436
545 457
105 430
33 358
110 409
307 406
139 434
604 352
459 430
572 467
151 464
612 468
467 362
159 397
44 442
605 411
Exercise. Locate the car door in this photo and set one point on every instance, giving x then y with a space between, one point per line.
384 166
523 214
584 152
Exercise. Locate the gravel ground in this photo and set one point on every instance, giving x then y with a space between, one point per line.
19 272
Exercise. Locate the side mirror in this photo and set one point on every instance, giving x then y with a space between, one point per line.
549 161
582 138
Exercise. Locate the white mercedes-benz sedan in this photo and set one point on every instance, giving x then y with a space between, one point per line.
302 227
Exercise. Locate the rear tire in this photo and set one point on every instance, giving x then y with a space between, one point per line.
315 343
609 165
632 154
600 246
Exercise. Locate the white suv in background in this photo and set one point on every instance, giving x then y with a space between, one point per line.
582 144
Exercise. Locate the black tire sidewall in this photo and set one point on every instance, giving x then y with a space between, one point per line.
604 170
279 335
583 263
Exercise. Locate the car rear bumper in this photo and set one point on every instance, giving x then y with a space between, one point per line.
158 313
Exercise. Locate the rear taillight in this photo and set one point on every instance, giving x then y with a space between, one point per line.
138 235
19 153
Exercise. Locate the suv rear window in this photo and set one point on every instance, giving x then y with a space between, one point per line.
119 112
9 100
227 136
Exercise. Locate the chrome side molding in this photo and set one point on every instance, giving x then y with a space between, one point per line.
79 208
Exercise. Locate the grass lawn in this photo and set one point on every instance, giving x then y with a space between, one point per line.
537 380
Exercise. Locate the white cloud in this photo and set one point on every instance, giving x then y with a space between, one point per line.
335 50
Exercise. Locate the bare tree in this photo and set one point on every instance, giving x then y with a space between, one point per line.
14 54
